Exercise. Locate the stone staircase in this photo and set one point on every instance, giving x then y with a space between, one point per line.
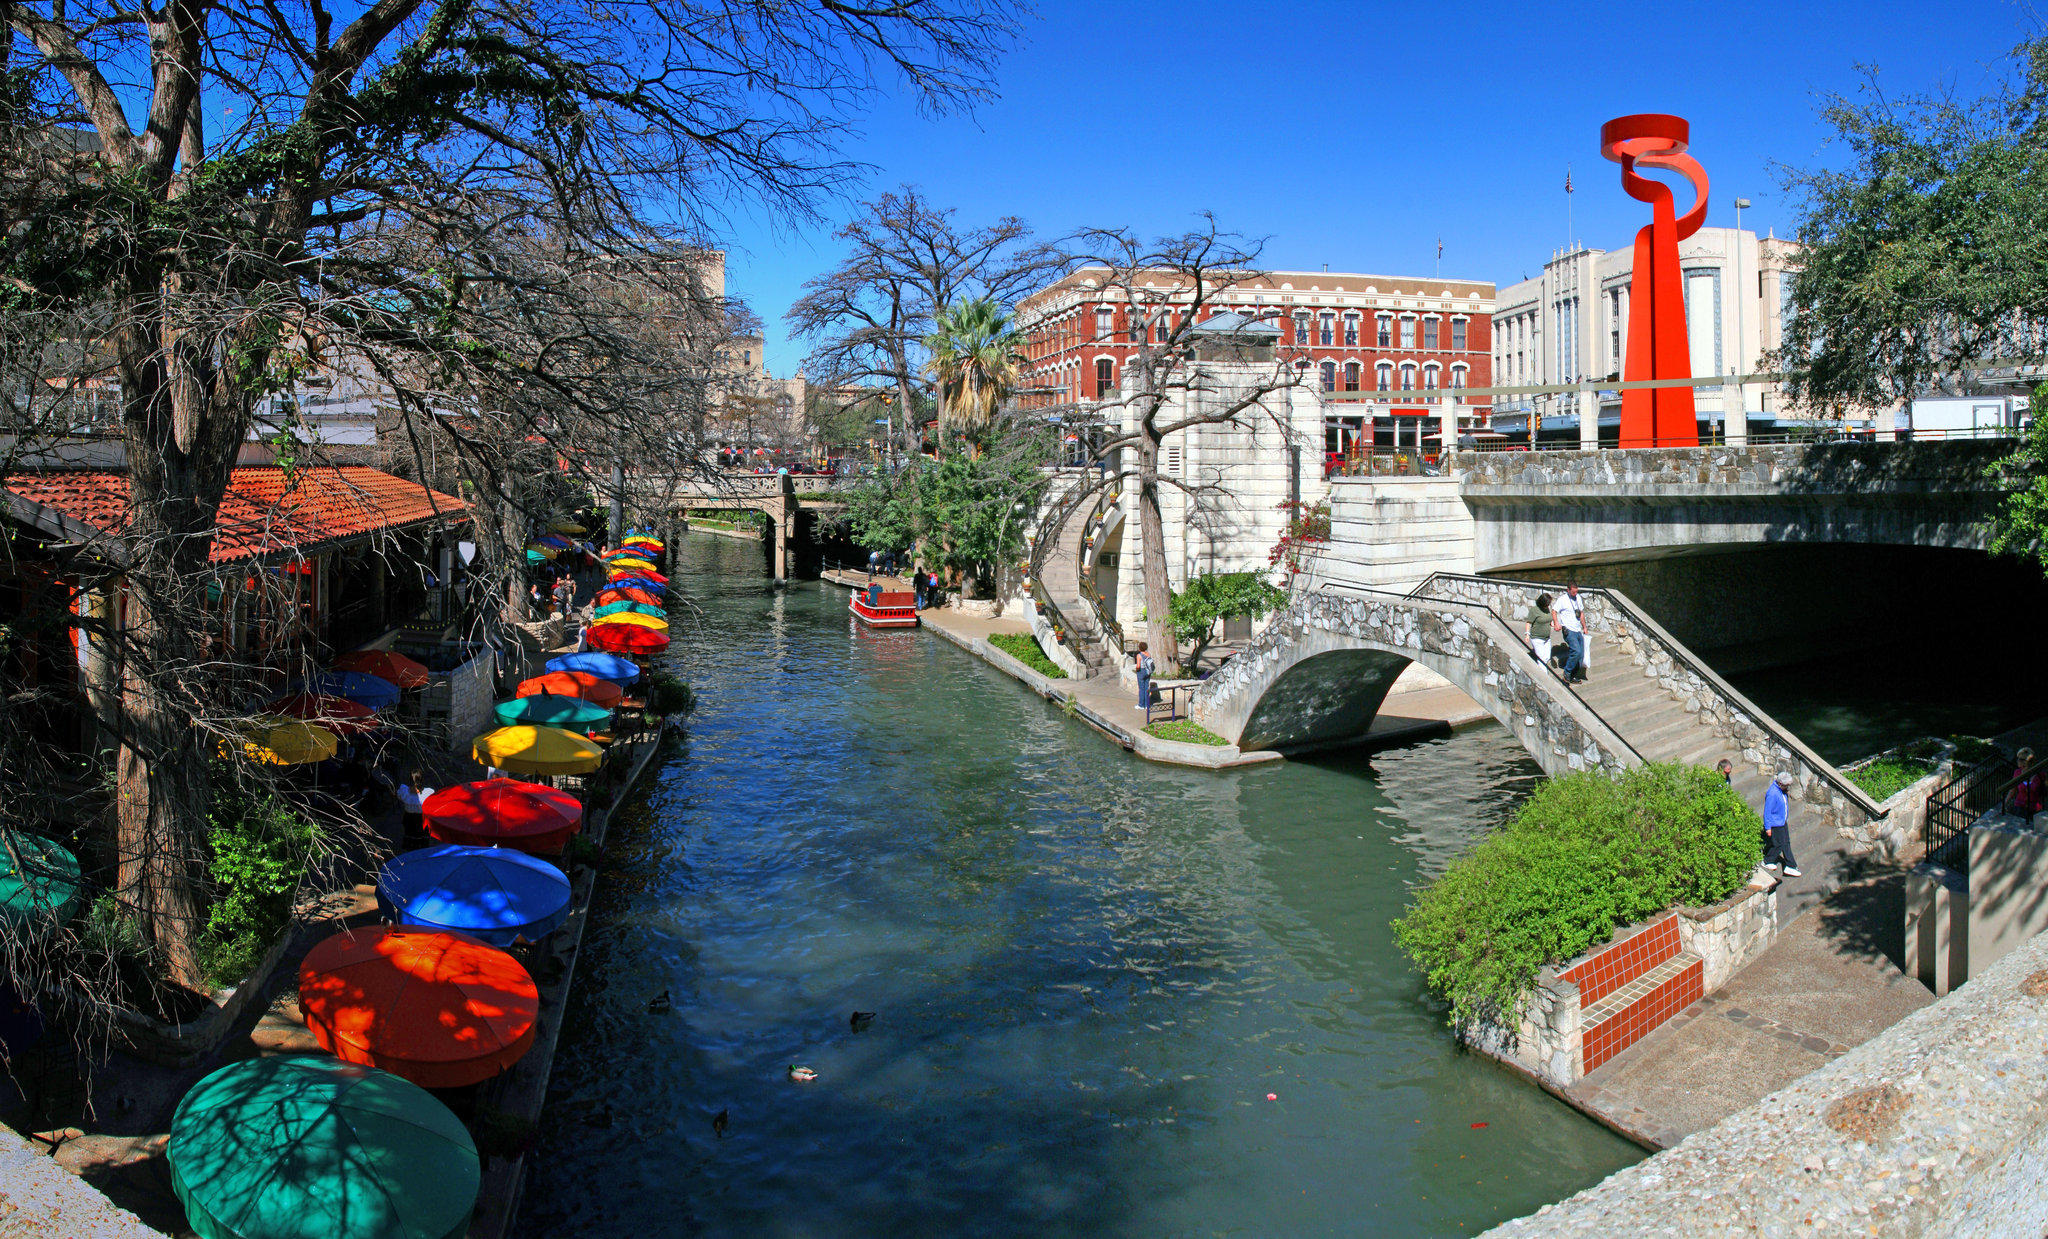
1060 572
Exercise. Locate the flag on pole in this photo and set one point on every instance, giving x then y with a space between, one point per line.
1439 247
1567 178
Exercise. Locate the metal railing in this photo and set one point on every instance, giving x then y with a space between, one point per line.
1964 800
1519 442
1679 654
1043 546
1097 522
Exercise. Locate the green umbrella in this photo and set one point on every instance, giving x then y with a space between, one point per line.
38 878
553 710
299 1147
538 557
637 608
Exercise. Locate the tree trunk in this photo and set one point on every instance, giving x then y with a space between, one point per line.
1152 542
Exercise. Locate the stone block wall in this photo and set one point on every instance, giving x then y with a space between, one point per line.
1729 935
1391 532
1546 1043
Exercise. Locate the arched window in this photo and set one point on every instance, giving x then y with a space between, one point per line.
1429 333
1105 377
1351 331
1301 329
1408 375
1457 378
1429 374
1350 376
1329 329
1329 376
1407 331
1386 376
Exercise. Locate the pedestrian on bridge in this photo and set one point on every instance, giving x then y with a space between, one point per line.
1571 620
1777 826
1540 623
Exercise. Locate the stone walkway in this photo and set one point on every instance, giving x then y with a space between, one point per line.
1828 984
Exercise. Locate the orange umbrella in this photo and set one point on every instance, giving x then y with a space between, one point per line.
593 689
626 593
440 1009
628 639
620 574
385 665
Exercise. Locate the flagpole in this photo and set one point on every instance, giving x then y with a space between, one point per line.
1568 208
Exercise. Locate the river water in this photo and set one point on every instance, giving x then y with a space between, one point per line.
1088 973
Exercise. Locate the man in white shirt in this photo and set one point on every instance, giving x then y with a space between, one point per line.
1571 618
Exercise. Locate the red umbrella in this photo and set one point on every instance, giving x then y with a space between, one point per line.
594 689
440 1009
626 593
385 665
620 574
629 639
336 714
503 813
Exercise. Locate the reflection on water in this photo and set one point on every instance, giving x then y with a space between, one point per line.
1088 972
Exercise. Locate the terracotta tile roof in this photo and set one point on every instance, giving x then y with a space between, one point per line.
265 511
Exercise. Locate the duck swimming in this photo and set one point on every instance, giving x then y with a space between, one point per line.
802 1075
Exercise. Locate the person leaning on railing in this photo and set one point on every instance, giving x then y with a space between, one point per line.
2029 794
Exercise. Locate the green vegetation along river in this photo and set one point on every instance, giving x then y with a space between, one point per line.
1087 972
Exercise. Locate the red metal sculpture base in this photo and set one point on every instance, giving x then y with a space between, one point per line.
1657 348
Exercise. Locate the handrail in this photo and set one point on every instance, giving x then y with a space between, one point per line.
1040 547
1098 520
1957 805
1679 653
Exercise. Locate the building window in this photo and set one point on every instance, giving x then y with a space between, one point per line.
1407 378
1350 376
1385 374
1105 376
1351 331
1407 333
1162 326
1301 329
1329 376
1429 374
1386 332
1458 333
1134 325
1457 378
1329 334
1429 333
1105 322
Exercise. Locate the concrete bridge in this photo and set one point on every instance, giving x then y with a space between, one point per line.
783 497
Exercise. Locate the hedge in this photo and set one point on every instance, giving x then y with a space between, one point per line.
1023 647
1586 854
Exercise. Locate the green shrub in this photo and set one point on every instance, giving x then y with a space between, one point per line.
1184 731
1888 776
1024 648
1585 854
669 694
261 846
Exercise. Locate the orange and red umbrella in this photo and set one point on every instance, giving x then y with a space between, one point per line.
503 813
336 714
628 639
626 593
621 574
440 1009
385 665
596 690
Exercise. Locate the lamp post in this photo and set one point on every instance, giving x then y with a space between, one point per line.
1741 291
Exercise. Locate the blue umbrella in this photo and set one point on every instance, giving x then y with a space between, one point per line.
360 687
494 894
649 584
596 662
555 540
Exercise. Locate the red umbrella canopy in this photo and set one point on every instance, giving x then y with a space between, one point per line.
503 813
626 593
593 689
630 639
616 574
385 665
336 714
440 1009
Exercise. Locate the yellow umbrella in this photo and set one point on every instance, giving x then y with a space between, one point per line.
285 741
628 561
633 617
568 527
537 750
539 549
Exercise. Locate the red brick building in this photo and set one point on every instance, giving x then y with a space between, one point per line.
1417 340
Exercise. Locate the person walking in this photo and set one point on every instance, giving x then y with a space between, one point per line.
1726 769
1777 827
1571 620
412 796
1540 620
1145 667
917 584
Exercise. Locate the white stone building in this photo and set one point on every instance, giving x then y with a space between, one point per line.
1569 324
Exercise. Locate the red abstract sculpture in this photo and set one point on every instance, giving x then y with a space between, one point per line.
1657 416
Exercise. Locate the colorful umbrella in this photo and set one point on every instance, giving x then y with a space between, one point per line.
495 895
555 540
652 544
336 714
286 741
630 563
440 1009
373 691
646 584
604 666
573 713
630 608
595 689
301 1147
386 665
569 527
538 557
537 750
628 593
635 618
625 639
39 881
507 812
619 576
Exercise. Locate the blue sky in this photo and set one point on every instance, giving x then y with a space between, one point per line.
1356 134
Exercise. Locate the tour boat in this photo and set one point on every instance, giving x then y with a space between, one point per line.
884 608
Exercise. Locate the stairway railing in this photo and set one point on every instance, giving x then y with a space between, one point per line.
1097 522
1043 545
1957 805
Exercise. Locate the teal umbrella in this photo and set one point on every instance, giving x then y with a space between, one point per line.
637 608
552 710
38 879
298 1147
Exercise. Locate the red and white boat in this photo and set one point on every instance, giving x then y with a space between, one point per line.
884 608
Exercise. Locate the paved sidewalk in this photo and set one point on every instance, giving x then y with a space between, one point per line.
1828 984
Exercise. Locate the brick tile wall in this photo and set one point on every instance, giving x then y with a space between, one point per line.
1630 1025
1615 966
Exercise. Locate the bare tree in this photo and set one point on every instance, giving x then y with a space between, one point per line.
1185 374
405 186
907 261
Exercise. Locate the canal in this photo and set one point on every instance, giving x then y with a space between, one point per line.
1109 998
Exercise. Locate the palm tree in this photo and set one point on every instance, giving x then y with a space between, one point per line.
975 352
